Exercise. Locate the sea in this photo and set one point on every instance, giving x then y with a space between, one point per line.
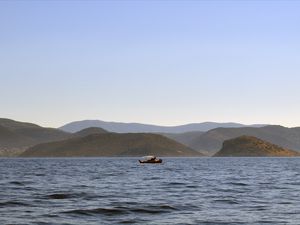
203 190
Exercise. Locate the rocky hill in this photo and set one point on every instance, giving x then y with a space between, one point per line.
247 146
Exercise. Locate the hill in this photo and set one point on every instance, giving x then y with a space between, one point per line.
12 143
112 144
184 138
211 141
89 131
16 136
247 146
14 125
145 128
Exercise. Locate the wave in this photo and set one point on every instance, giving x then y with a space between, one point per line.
238 184
13 204
17 183
122 210
59 196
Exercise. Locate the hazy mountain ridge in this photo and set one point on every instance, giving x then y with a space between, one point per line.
112 144
248 146
120 127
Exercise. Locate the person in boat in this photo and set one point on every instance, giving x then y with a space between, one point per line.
153 159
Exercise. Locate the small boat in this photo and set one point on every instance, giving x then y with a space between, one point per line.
150 159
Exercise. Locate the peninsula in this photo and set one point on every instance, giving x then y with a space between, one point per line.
248 146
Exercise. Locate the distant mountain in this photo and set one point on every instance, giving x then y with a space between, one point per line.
211 141
16 136
112 144
146 128
247 146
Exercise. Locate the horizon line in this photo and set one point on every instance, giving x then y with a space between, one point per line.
151 124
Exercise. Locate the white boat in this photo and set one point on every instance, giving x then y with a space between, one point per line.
150 159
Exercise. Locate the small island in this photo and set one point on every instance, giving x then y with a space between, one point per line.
248 146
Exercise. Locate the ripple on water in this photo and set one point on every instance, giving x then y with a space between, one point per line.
13 204
238 184
17 183
226 201
95 211
69 195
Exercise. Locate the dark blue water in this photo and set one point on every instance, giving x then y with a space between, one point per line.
121 191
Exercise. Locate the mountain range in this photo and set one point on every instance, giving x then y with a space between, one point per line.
119 127
19 138
16 137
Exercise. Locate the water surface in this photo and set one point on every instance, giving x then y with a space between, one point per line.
121 191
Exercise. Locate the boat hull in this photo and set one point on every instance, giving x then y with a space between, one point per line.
156 161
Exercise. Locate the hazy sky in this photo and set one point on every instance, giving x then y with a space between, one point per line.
160 62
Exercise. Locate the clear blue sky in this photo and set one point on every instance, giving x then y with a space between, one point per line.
160 62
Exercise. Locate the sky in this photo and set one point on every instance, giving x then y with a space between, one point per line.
155 62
